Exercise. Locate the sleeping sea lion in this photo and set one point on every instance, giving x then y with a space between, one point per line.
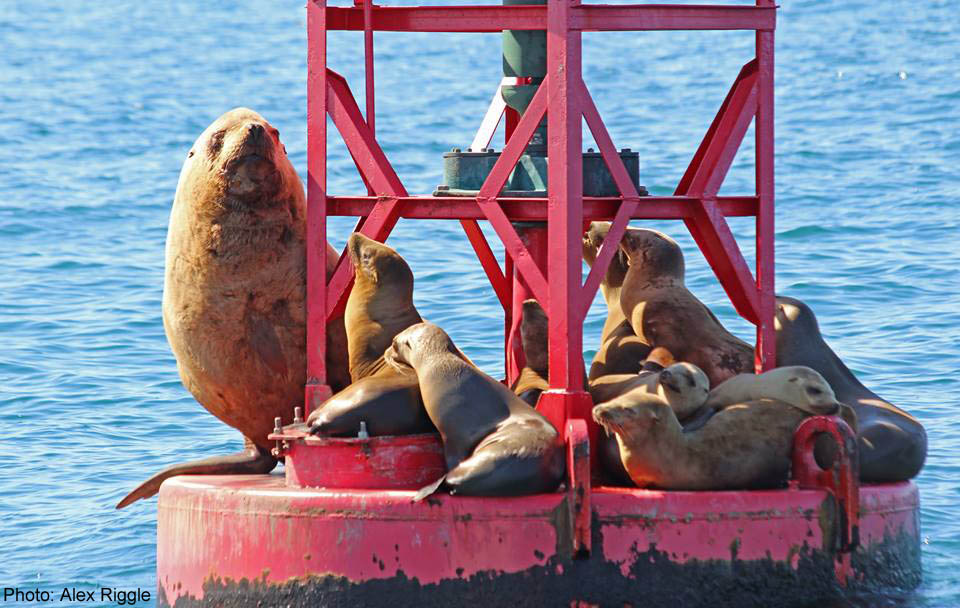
493 442
379 307
621 351
664 313
743 446
892 443
235 287
797 385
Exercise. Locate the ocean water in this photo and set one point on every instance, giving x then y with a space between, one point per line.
99 103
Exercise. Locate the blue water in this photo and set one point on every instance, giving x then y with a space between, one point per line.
99 103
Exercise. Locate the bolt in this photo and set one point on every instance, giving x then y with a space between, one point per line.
590 150
625 151
277 425
456 150
469 149
297 415
363 434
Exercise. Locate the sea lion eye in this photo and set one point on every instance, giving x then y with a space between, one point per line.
814 391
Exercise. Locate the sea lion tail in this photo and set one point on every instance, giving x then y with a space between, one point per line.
427 490
251 461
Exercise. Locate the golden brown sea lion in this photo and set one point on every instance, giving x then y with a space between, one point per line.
379 307
797 385
682 385
621 351
494 443
892 443
234 289
747 445
664 313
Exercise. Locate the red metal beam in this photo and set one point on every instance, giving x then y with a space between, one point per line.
592 17
487 197
476 19
565 196
765 352
377 172
703 178
535 209
636 17
627 190
488 261
317 209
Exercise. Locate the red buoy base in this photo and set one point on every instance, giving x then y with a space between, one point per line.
252 540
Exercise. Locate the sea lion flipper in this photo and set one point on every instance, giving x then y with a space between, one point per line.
427 490
254 460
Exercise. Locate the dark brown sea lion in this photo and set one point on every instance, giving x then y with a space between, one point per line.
494 443
892 443
533 378
235 287
664 313
621 351
379 307
743 446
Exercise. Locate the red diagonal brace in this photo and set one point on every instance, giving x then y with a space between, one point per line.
488 261
487 201
376 172
703 178
627 190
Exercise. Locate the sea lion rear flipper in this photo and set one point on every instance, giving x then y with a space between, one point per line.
429 489
253 460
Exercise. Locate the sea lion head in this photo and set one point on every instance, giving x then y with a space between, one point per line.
244 155
592 240
416 342
375 264
806 388
628 416
652 255
534 336
686 387
793 314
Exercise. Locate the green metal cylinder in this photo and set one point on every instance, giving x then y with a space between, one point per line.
525 56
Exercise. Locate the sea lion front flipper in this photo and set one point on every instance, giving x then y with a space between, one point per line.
427 490
253 460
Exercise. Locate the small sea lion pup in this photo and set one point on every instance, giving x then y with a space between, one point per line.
743 446
379 307
621 351
235 287
494 443
665 315
533 378
893 444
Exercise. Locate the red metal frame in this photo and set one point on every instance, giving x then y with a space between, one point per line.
564 99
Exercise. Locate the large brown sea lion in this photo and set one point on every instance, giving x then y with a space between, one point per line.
379 307
621 351
494 443
747 445
664 313
892 443
234 289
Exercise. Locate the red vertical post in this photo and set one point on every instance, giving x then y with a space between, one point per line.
368 62
534 237
316 389
566 398
765 353
508 320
